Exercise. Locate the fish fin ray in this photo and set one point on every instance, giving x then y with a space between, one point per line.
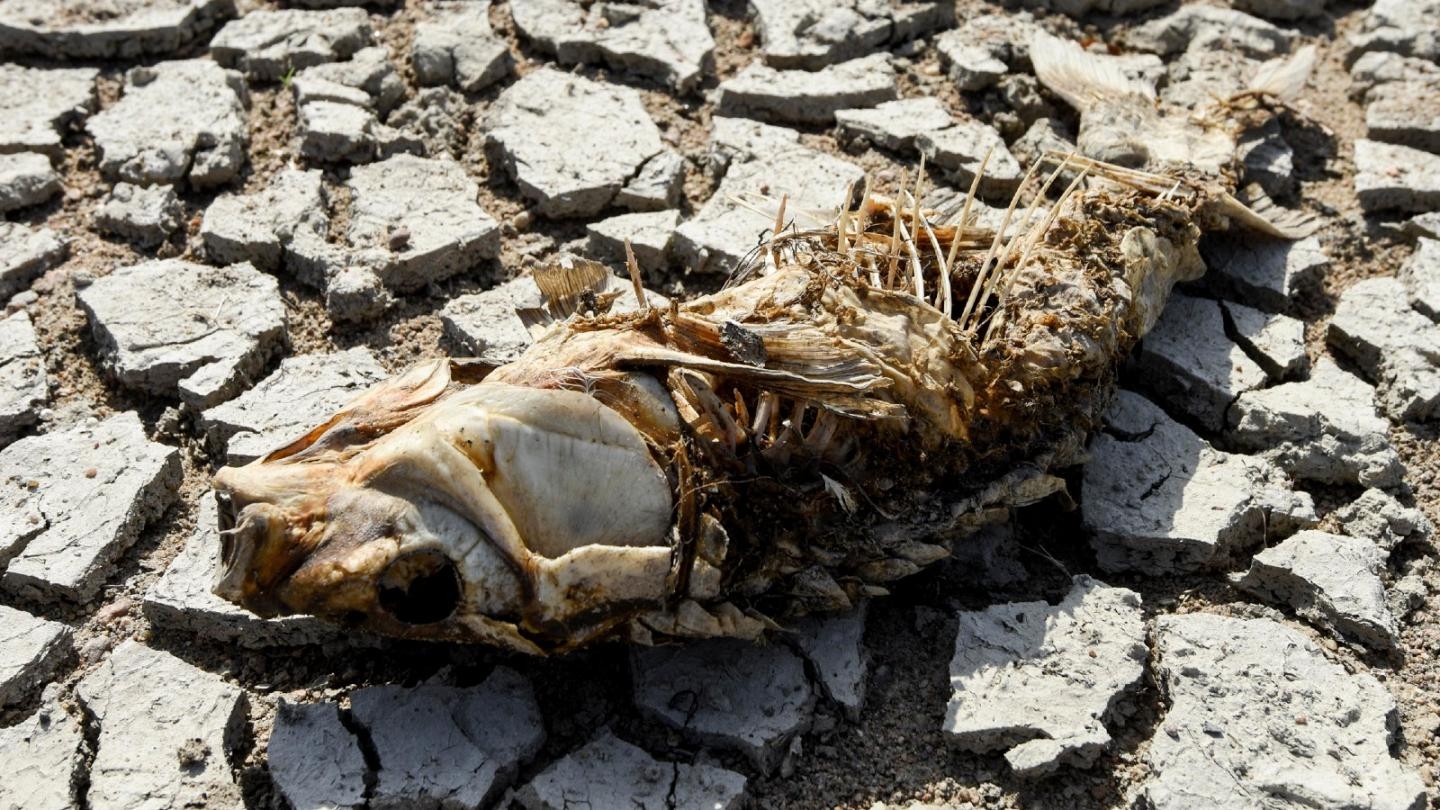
1285 77
1083 79
1257 212
566 287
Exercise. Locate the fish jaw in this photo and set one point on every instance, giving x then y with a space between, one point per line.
268 523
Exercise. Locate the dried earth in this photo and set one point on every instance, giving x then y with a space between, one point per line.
222 218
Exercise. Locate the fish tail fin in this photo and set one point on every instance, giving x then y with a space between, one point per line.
1082 78
1284 77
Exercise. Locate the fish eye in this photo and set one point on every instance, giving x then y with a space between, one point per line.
420 587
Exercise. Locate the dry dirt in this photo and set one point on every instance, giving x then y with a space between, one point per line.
896 752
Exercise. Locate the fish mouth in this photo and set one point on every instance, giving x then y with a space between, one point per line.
241 533
418 587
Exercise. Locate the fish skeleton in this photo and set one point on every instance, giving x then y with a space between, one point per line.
857 398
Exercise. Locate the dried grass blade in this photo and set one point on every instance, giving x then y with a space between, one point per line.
1065 198
985 268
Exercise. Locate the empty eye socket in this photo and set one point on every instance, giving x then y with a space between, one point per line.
421 587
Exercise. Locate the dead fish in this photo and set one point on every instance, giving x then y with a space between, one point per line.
860 396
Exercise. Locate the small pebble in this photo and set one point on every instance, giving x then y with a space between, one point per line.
94 649
114 610
400 238
192 753
20 300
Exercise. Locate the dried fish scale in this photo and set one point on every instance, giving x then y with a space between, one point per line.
828 423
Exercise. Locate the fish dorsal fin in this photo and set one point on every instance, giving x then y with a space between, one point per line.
376 412
1082 78
566 286
1285 77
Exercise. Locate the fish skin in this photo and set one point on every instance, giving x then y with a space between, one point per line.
607 485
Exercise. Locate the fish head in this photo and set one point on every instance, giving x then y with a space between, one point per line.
311 528
491 513
355 555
